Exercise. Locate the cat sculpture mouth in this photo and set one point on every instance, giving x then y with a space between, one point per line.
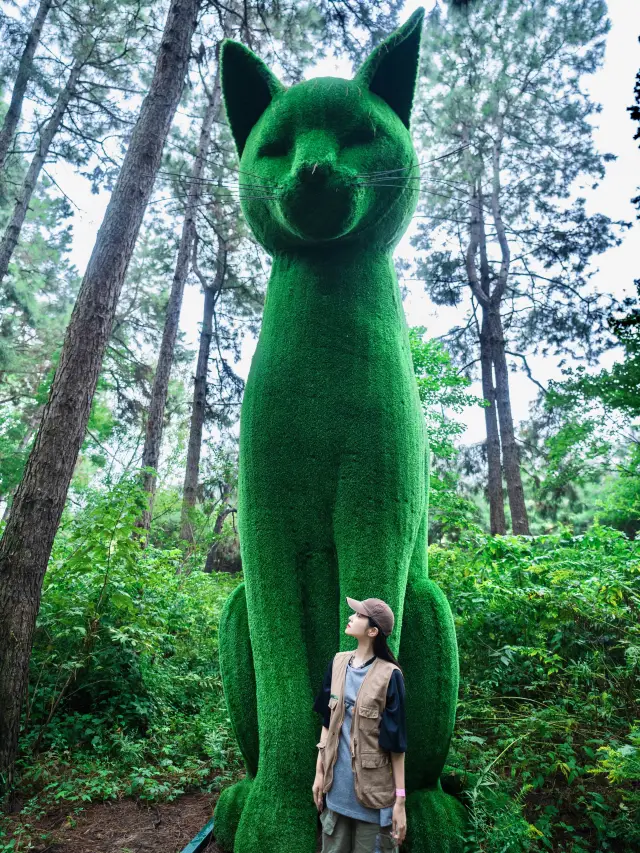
320 203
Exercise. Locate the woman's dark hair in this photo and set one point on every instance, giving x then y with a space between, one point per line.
380 647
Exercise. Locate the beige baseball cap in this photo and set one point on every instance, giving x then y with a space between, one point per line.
377 609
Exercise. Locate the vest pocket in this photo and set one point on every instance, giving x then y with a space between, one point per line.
369 724
376 778
375 759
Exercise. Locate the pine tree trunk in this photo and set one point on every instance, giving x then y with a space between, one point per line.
212 561
192 471
480 284
28 537
12 232
510 453
497 520
155 418
495 494
12 116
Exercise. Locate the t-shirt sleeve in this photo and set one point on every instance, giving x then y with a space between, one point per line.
393 729
321 705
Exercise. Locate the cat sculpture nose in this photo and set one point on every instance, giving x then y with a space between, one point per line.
314 173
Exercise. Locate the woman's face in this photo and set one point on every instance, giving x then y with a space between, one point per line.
358 626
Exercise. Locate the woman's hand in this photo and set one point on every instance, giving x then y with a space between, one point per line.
318 785
399 821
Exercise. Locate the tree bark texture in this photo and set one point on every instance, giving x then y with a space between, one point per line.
12 116
498 523
510 452
214 563
155 418
480 285
510 455
497 520
190 492
28 537
12 232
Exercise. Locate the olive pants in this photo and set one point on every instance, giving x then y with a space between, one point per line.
342 834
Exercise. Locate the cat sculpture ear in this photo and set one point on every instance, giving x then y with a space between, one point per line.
248 88
391 70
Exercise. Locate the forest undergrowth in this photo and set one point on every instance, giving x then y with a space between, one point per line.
125 697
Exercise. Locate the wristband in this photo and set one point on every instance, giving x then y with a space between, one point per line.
400 792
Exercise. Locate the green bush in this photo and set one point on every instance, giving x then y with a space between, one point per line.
549 642
125 695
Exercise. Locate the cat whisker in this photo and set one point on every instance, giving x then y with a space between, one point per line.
253 174
398 186
235 195
427 178
400 182
245 191
407 182
244 197
242 187
234 185
416 165
207 181
385 172
420 190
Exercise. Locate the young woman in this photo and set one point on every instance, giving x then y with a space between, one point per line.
360 763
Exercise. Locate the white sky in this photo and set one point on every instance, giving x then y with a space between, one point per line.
612 86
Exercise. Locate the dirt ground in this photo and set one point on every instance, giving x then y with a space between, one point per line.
125 827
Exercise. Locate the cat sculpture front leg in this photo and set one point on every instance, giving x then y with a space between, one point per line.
290 581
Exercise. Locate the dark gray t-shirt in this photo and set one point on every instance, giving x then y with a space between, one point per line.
341 797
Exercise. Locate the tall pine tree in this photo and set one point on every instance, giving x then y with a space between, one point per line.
502 233
35 514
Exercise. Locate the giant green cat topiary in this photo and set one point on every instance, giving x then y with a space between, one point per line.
333 457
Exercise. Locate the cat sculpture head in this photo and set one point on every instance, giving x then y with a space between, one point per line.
327 160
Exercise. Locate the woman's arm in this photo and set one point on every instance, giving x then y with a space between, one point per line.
397 762
323 740
318 782
399 816
393 738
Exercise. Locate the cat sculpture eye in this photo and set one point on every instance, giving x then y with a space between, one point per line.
276 148
358 136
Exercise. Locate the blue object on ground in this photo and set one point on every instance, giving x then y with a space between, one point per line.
198 842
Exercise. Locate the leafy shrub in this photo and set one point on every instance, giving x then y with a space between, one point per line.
125 694
443 392
549 641
125 697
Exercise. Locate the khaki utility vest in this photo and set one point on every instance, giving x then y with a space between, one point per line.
372 769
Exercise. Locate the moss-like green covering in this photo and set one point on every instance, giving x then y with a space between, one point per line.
435 822
238 677
333 456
